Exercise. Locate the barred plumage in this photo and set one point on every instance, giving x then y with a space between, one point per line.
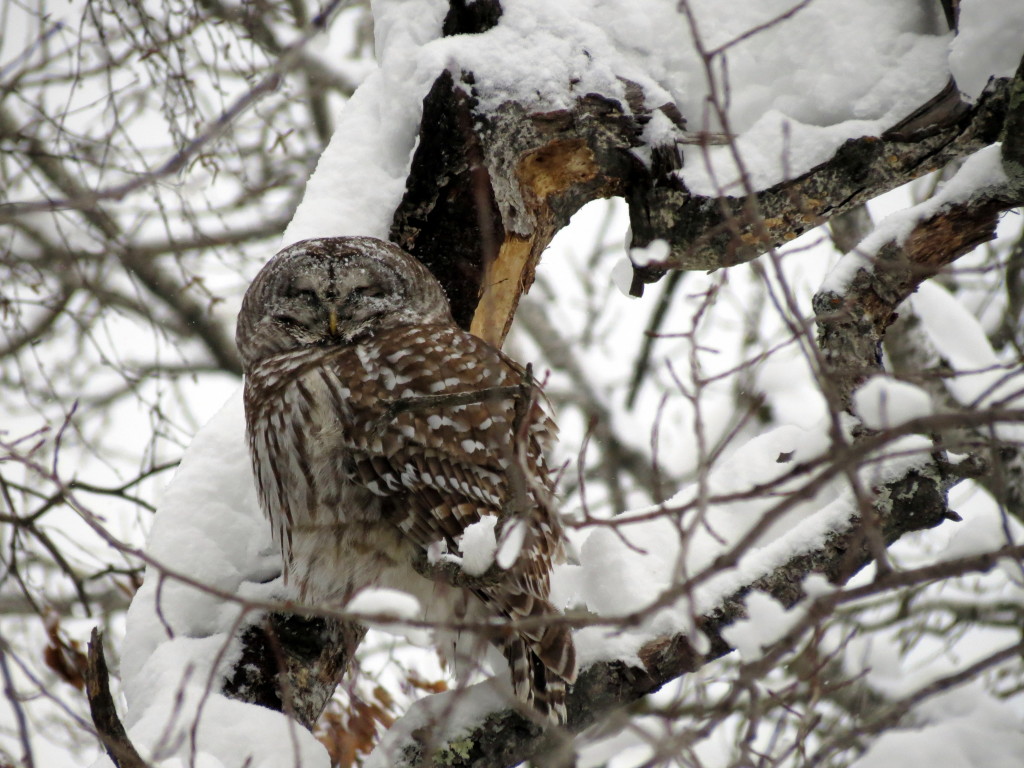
332 333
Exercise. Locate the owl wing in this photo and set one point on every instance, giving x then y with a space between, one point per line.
441 467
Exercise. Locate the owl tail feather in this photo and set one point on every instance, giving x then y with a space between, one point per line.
534 684
541 655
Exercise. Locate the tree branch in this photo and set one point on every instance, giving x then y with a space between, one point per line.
505 181
104 714
710 233
851 326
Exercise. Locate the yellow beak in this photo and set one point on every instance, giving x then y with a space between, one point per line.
332 322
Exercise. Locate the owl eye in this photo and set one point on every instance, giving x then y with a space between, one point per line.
296 291
367 292
288 320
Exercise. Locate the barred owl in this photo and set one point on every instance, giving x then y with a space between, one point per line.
332 332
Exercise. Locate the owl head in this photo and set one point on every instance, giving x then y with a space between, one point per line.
333 291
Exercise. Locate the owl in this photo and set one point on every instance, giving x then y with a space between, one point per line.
333 333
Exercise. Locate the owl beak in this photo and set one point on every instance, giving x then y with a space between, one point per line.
332 322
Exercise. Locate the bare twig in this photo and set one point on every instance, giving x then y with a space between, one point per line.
14 699
82 199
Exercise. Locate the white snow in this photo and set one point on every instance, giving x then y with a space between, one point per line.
767 620
896 458
874 63
622 276
966 728
955 332
511 543
981 379
444 716
360 178
205 531
883 402
656 251
627 569
479 545
816 585
986 529
481 548
436 551
989 43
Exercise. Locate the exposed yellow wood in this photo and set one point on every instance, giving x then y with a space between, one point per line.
544 172
555 167
502 286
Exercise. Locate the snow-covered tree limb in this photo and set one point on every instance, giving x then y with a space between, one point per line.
488 190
